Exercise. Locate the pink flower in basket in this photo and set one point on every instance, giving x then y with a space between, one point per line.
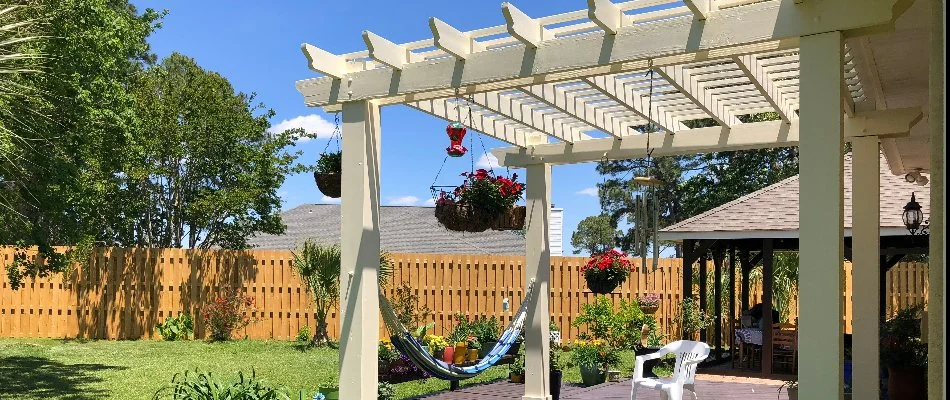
649 300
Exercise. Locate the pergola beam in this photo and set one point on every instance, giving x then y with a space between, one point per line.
606 15
700 8
688 85
766 26
753 69
618 92
567 104
451 40
522 27
498 129
529 116
394 55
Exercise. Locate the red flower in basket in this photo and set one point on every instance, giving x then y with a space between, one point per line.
604 272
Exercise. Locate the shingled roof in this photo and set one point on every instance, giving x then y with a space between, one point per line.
402 230
772 212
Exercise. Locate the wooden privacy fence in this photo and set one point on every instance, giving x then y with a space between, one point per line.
123 293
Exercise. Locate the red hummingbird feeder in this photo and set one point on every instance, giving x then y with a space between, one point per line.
456 133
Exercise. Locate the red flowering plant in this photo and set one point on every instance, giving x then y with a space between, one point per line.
484 193
228 314
605 271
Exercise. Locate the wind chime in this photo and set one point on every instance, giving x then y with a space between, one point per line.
646 201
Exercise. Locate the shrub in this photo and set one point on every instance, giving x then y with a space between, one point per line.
228 314
386 391
901 346
594 353
205 386
485 329
303 334
621 329
405 303
176 328
691 319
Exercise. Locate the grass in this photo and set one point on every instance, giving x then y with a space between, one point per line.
76 370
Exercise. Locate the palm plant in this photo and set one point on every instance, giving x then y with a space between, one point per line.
784 281
319 266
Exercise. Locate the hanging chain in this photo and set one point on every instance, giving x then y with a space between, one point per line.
336 133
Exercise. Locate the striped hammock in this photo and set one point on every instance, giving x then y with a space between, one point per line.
404 341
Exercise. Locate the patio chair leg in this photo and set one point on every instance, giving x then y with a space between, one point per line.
676 393
633 391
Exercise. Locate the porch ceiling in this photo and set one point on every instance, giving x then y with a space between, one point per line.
579 86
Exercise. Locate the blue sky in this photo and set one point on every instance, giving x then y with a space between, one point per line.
256 45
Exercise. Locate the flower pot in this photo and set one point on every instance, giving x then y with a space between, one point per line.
516 378
486 348
613 376
472 355
906 383
330 393
592 375
847 372
460 218
511 220
461 352
649 310
600 286
448 354
555 386
329 184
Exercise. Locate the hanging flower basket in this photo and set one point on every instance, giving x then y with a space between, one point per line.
649 303
511 220
604 272
483 201
329 184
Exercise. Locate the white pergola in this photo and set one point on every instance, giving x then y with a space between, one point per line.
571 88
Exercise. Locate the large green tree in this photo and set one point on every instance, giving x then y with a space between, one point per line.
594 234
692 184
204 170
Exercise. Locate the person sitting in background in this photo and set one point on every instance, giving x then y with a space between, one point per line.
756 313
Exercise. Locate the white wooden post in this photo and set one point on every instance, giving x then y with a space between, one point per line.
936 314
359 304
538 267
822 217
865 248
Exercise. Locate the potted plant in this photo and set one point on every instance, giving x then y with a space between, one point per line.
554 368
516 370
330 389
605 271
791 387
905 355
436 345
649 303
328 173
486 330
483 201
594 358
473 348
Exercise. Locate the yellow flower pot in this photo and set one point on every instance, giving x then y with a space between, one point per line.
461 351
472 355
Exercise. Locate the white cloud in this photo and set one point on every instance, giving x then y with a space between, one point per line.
403 201
429 203
329 200
591 191
312 124
487 161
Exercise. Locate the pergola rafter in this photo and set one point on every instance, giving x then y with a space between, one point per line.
569 75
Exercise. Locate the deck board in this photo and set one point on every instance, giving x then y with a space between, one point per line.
615 391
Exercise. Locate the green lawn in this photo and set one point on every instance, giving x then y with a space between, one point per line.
69 369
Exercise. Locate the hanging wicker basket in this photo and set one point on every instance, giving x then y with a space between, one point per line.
329 184
649 310
599 285
511 220
461 218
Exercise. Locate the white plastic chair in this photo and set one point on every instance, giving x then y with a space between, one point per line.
555 337
688 356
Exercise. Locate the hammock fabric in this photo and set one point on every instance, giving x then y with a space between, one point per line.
403 340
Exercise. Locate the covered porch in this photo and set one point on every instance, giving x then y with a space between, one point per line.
578 87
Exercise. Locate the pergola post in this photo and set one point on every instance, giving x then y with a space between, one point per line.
702 292
359 262
538 267
768 278
821 211
936 324
718 255
866 268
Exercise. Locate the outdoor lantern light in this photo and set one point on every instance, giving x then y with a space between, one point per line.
913 217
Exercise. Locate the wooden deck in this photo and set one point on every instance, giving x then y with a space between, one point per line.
617 390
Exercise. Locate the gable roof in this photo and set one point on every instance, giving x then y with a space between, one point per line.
402 230
772 212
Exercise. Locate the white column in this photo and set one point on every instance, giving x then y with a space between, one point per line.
865 250
359 304
538 267
936 324
821 215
